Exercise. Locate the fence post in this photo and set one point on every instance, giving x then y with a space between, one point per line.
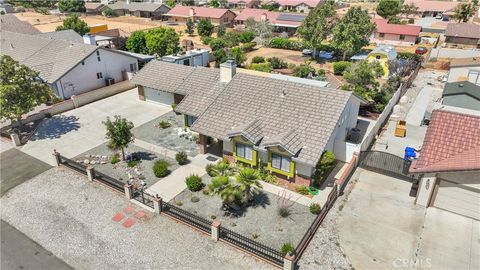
215 230
57 157
90 172
128 191
15 139
75 101
157 204
289 262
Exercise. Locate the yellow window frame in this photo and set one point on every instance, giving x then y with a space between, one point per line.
252 162
289 174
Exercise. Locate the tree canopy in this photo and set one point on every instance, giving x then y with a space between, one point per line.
136 42
119 133
205 27
75 23
162 41
170 3
71 6
353 31
21 90
389 8
464 11
221 30
238 55
262 30
190 27
361 78
409 9
318 24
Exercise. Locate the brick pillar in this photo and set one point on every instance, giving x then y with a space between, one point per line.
141 93
157 204
203 144
15 139
90 173
289 262
215 230
128 191
56 155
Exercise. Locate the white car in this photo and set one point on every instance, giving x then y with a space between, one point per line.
307 51
439 16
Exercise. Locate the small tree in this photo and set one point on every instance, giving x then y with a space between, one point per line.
205 27
108 12
162 41
215 3
389 8
464 11
136 42
119 133
409 9
21 90
75 23
220 57
262 30
238 55
247 180
170 3
323 166
190 27
221 30
71 6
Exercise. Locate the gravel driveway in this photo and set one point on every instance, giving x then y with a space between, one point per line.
72 218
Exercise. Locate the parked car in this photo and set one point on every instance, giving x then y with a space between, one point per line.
307 51
445 18
421 50
439 16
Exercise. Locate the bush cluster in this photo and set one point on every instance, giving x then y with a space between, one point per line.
115 159
194 183
286 248
315 208
160 168
248 47
302 190
340 67
181 158
288 44
264 67
258 59
164 124
277 63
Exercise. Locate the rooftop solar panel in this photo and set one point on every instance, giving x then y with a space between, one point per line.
291 17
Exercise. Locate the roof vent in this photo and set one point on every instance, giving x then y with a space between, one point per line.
283 93
460 84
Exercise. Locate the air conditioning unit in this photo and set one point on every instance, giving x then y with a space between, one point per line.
109 81
354 135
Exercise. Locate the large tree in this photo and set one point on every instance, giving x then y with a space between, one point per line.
409 9
119 132
389 8
205 27
21 90
75 23
464 11
136 42
162 41
353 31
71 6
362 79
319 23
263 30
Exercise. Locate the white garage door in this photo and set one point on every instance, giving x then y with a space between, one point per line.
458 198
159 97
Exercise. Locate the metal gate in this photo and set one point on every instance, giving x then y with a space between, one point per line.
386 163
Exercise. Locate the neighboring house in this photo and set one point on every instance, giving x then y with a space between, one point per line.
11 23
155 11
463 34
464 69
282 22
428 8
197 57
69 68
395 34
462 94
382 54
241 4
215 15
94 7
119 37
450 163
302 6
255 119
6 8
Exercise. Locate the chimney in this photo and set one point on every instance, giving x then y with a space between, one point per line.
191 12
227 71
263 17
89 39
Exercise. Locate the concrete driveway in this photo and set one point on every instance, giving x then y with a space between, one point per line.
79 130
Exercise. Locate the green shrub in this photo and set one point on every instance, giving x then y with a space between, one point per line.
217 44
303 70
315 208
258 59
272 179
205 191
248 47
108 12
287 248
164 124
210 168
277 63
324 164
302 190
246 36
115 159
340 66
409 56
181 158
232 39
411 20
43 10
174 106
285 43
179 203
194 182
160 168
132 163
213 217
206 40
284 211
195 199
264 67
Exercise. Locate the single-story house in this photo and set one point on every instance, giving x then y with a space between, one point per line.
255 120
155 11
427 8
450 163
395 34
302 6
282 22
11 23
383 54
243 3
462 94
464 69
69 68
215 15
94 7
463 34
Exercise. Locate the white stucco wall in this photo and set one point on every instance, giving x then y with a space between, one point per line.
462 73
83 78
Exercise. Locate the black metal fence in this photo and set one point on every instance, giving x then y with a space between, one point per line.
79 167
141 196
252 246
187 217
386 163
109 181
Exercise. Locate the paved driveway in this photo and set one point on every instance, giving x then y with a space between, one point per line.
79 130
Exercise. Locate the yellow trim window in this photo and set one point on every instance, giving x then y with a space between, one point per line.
244 151
280 162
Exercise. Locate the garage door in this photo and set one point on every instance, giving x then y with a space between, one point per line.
458 198
159 97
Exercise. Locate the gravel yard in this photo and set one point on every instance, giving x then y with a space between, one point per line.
120 169
72 218
260 221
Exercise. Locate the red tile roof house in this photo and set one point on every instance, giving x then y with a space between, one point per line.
215 15
463 34
450 163
243 3
395 34
428 8
303 6
282 22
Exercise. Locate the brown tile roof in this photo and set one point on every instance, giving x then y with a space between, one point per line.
452 143
465 30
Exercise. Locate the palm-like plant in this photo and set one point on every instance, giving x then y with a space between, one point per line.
248 179
229 193
223 169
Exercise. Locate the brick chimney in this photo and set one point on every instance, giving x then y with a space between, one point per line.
227 71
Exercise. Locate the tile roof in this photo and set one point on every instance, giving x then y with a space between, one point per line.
251 131
465 30
272 17
313 112
400 29
202 12
137 6
463 87
310 3
290 141
427 5
452 143
11 23
93 5
66 35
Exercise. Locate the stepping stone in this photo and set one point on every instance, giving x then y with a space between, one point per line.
118 216
128 223
129 210
140 214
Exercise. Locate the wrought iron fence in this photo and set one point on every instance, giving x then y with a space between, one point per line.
250 245
79 167
187 217
141 196
109 181
386 163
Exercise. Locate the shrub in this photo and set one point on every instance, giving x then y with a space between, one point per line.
323 167
217 44
160 168
181 158
264 67
303 71
213 217
205 191
411 21
43 10
115 159
108 12
132 163
276 63
315 208
195 199
206 40
232 39
179 203
285 43
302 190
248 47
164 124
194 183
210 168
284 211
258 59
409 56
272 179
246 36
340 67
287 248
